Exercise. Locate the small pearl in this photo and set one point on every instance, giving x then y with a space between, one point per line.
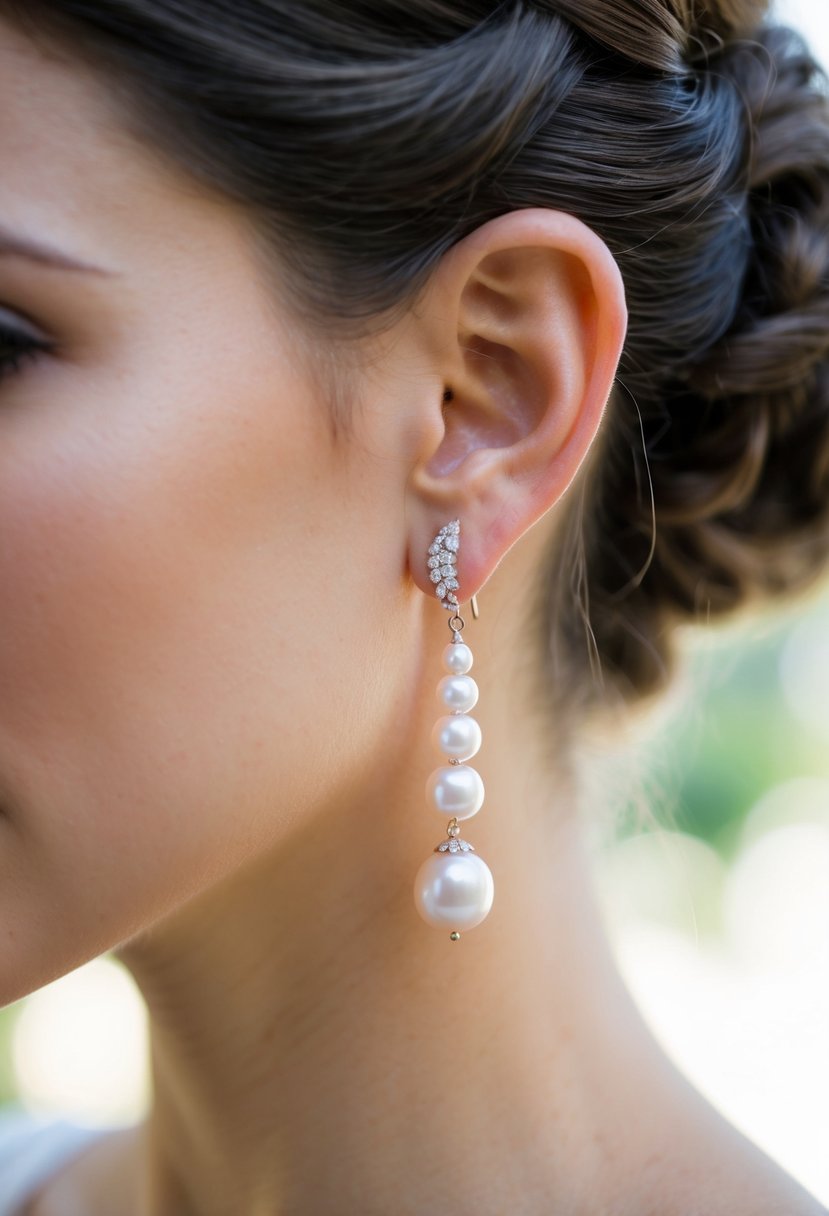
455 789
457 692
457 735
457 658
454 891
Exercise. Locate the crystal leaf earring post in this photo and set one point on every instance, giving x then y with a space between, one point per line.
454 887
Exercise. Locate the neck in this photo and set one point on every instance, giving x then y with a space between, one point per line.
312 1039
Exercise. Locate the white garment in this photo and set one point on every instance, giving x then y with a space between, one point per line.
31 1148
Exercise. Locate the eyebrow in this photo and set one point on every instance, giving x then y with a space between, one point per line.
12 245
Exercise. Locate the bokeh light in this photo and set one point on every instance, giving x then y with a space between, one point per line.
719 908
804 674
79 1046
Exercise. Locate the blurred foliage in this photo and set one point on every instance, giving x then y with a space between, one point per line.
735 736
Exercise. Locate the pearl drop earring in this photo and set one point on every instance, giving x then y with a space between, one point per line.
454 887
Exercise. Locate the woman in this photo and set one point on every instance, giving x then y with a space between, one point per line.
286 289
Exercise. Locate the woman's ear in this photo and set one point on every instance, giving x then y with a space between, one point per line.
523 321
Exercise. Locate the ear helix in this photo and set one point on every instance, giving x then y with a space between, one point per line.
454 887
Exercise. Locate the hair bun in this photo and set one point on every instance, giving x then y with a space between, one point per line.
711 25
736 438
782 327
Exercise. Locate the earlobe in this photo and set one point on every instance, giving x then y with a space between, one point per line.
524 321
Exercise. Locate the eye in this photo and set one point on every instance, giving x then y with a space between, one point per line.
15 346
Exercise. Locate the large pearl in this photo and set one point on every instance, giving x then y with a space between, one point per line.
458 693
457 736
454 890
457 657
455 789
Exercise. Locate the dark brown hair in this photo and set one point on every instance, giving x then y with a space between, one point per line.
366 138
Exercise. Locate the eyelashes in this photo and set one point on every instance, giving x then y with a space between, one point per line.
15 348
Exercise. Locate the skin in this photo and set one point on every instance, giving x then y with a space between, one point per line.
218 661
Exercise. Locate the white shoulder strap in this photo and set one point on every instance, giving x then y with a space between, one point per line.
32 1147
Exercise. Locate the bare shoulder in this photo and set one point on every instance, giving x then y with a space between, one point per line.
773 1192
682 1157
758 1186
727 1175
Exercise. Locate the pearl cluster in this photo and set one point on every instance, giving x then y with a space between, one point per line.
454 887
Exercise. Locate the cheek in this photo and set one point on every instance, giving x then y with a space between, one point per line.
174 683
